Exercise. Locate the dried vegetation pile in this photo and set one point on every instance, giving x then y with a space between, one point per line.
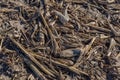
60 39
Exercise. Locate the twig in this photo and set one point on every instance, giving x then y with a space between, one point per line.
112 44
2 10
98 28
84 52
35 70
1 43
112 29
54 42
71 68
75 1
31 57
